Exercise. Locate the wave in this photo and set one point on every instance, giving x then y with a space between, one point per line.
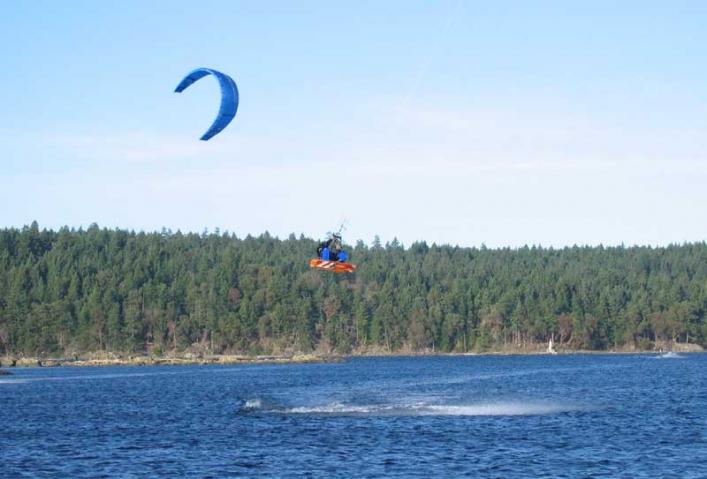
471 377
415 409
14 381
502 409
670 355
334 408
85 377
252 405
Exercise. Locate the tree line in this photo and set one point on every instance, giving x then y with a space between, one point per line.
73 291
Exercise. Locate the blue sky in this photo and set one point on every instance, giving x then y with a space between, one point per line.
502 123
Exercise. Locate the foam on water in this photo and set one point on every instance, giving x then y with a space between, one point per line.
252 404
332 408
670 355
500 409
418 409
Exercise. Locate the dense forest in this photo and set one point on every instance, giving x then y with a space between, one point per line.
72 291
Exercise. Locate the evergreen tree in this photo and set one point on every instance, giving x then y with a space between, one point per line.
75 291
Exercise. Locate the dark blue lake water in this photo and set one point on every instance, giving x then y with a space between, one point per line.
533 416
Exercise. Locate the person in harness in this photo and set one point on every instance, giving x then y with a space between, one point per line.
332 249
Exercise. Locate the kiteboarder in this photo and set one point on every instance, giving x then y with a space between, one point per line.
331 249
331 255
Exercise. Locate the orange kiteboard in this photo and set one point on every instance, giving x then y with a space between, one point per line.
334 266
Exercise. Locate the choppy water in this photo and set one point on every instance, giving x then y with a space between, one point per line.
541 416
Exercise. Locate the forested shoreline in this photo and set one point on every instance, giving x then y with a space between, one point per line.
71 291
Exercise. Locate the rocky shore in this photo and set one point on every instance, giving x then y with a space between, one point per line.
116 360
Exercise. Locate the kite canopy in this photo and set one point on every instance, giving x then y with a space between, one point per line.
229 98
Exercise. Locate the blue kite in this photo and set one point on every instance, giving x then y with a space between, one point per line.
229 98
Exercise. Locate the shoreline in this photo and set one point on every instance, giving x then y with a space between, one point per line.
109 359
186 360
